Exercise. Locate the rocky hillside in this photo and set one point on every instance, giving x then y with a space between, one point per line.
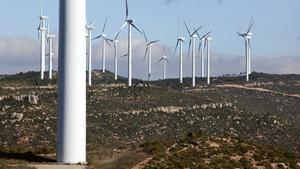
265 111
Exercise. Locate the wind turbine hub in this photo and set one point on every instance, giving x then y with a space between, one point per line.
194 36
130 21
209 38
116 41
43 17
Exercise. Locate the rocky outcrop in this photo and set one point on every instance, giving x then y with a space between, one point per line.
30 98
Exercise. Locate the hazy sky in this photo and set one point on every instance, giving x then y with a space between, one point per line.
276 30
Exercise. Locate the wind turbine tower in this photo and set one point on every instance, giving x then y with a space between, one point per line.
208 39
180 41
192 43
90 28
71 136
50 39
247 36
42 35
149 52
116 42
201 50
104 40
165 60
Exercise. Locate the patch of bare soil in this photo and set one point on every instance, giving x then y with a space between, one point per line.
257 89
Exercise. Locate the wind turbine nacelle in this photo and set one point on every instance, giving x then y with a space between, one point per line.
195 36
250 34
104 35
90 27
43 29
209 38
181 38
43 17
248 37
130 21
116 41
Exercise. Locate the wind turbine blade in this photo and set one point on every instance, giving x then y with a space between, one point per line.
197 33
167 60
160 60
107 42
199 48
115 47
104 26
124 55
190 43
187 28
205 43
239 34
146 53
97 37
249 27
110 40
120 29
250 45
153 42
196 30
127 11
136 28
145 36
176 47
206 34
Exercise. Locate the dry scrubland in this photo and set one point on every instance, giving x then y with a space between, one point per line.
160 124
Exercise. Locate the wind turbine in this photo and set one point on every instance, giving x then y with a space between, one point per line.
180 41
104 40
207 41
50 38
164 59
192 42
201 50
129 22
149 52
90 27
115 42
247 37
42 36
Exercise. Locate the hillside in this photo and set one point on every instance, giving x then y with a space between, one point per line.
264 112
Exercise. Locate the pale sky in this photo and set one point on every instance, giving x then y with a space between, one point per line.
276 30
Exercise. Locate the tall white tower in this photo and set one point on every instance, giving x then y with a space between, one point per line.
208 39
90 28
42 32
51 54
71 137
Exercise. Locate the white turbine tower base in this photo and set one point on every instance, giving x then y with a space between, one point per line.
71 136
